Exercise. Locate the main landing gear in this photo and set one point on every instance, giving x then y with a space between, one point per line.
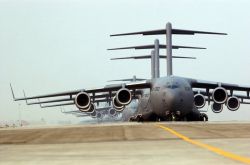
137 118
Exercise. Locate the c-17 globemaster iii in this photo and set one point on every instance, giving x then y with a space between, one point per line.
170 97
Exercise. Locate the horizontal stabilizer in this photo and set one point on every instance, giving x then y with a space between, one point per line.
149 57
153 46
163 31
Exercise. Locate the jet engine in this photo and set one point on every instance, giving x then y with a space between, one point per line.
233 103
217 108
123 96
99 115
93 114
199 100
203 117
118 107
220 95
82 100
112 112
90 108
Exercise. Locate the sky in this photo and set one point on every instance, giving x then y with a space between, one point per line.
48 46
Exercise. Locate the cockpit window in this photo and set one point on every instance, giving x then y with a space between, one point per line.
175 86
172 85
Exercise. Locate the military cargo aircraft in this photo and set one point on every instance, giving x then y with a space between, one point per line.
169 97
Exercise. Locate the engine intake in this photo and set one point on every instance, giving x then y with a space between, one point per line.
217 108
82 100
220 95
99 115
199 100
123 96
112 112
233 103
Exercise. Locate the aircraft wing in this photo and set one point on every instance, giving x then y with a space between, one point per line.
72 103
108 88
103 95
212 85
209 94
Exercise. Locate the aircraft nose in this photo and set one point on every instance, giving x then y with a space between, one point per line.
170 100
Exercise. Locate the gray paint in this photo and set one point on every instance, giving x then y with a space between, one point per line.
156 59
169 48
152 64
169 96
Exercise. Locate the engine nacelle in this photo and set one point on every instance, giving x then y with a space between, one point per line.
123 96
199 100
118 107
220 95
112 112
99 115
233 103
217 108
89 109
203 117
93 114
82 100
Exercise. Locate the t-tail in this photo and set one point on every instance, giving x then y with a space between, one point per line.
155 62
169 31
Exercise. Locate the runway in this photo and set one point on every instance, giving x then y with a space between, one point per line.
127 143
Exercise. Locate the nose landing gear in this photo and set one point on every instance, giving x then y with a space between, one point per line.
172 117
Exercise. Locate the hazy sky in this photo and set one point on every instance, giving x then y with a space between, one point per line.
48 46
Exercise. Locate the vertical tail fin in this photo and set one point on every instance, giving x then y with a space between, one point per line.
169 48
156 58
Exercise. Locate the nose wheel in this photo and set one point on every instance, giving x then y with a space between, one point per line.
172 117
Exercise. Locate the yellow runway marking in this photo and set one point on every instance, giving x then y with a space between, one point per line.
208 147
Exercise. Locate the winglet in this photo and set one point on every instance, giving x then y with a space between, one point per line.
25 98
62 109
13 95
40 103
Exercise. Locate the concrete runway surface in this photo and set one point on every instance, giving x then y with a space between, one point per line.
128 143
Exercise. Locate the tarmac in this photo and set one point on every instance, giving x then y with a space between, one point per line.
186 143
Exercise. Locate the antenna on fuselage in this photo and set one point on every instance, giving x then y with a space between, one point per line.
168 31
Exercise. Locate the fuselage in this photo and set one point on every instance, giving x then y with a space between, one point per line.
168 95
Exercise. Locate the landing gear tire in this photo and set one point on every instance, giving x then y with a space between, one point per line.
132 118
139 118
203 117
